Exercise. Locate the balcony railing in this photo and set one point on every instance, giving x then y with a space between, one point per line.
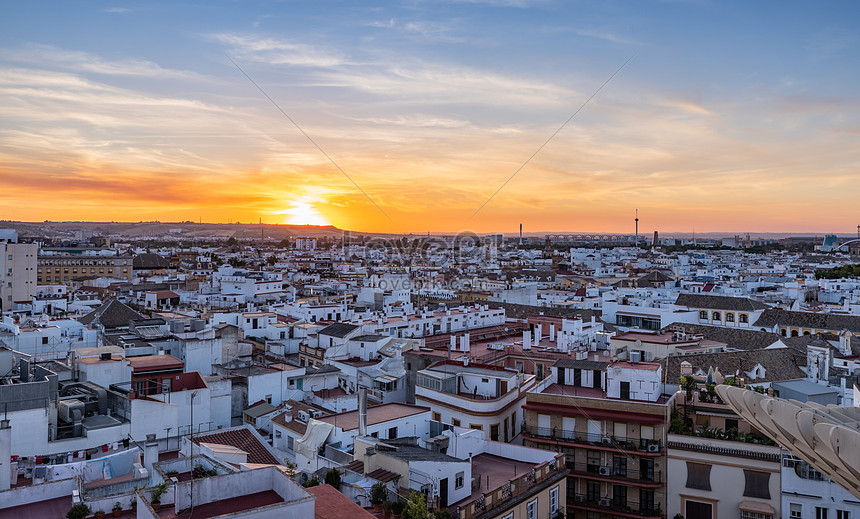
625 506
513 489
612 442
627 474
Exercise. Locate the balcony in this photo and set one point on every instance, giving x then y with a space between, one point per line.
623 508
530 483
648 478
616 443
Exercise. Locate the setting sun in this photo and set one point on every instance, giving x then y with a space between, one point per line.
303 213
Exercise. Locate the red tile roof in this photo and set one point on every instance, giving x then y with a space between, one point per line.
331 504
382 475
241 438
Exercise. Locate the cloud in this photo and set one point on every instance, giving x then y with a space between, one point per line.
605 36
117 10
391 22
278 51
47 56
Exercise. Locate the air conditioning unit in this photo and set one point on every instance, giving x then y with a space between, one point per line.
606 440
315 413
604 501
303 416
653 447
67 410
604 471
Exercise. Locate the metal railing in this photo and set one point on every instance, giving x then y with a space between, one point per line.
626 474
613 442
628 506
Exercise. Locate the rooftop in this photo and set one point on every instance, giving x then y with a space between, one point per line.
376 414
332 504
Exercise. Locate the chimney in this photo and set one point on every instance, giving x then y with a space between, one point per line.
466 344
362 412
150 453
453 342
5 455
537 335
527 340
552 332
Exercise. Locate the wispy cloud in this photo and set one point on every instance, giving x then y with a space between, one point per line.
276 51
606 36
47 56
387 24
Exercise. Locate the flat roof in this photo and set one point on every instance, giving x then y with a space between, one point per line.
376 414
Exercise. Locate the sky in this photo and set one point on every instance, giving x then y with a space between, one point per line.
427 115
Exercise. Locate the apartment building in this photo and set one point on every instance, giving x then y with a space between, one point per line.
478 396
63 268
610 420
17 272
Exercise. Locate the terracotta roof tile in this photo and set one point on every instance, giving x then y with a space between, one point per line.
243 439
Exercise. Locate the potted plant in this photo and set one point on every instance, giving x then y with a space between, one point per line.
386 509
158 491
78 511
117 509
397 509
100 514
378 493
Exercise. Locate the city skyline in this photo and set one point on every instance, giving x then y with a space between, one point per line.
729 116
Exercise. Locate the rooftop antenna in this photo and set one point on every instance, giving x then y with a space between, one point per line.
521 233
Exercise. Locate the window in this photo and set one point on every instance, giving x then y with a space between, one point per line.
820 513
437 417
476 426
730 318
796 511
716 316
698 476
699 509
531 509
553 500
619 466
703 314
592 490
619 495
843 514
593 461
744 318
268 399
455 422
290 441
392 432
44 340
458 481
646 499
757 484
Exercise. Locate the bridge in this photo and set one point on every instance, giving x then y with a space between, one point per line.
601 238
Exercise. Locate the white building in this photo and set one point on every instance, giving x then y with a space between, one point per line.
17 272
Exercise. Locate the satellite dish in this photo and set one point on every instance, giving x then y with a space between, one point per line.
638 343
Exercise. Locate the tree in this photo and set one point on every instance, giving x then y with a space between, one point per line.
232 242
271 260
78 511
332 477
416 507
378 493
